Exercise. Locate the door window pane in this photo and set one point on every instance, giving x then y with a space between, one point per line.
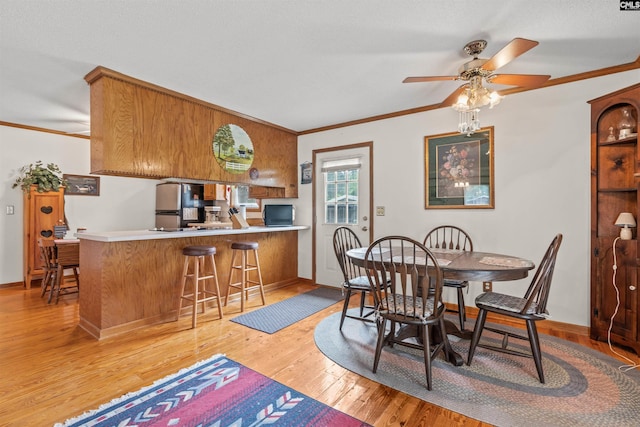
341 197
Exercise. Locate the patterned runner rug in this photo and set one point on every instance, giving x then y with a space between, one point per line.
215 392
583 387
277 316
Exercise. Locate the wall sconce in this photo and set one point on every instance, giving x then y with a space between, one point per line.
626 221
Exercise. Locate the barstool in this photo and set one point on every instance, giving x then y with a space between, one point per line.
199 255
244 268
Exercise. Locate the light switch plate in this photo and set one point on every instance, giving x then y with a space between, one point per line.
10 210
380 210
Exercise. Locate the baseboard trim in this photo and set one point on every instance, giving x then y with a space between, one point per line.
544 326
14 284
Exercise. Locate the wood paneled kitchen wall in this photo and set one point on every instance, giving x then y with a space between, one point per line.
142 130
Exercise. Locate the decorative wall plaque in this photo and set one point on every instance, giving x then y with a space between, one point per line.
233 149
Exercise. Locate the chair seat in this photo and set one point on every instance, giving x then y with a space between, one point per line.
245 246
360 283
404 306
510 303
198 250
456 283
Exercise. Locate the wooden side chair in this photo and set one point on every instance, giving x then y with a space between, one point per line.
452 238
48 256
355 277
530 308
68 258
412 300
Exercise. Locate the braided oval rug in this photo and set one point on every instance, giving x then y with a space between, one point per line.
583 387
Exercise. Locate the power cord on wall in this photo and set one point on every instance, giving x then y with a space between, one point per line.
632 364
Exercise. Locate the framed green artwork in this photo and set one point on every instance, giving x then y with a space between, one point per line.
459 170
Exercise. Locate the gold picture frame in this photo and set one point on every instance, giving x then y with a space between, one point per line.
459 170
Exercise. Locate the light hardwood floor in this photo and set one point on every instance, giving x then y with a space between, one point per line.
51 370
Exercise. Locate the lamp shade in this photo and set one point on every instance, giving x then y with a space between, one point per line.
625 219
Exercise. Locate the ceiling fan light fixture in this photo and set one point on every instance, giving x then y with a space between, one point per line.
468 120
494 99
471 99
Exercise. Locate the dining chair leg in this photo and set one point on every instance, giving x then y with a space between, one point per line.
363 300
76 276
477 332
45 282
345 306
55 285
535 348
427 354
462 312
381 324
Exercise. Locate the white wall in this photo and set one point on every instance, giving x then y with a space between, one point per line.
542 183
123 203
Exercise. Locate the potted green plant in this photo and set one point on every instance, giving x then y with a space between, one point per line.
47 178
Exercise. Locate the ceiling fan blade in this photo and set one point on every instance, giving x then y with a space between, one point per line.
523 80
451 99
512 50
428 79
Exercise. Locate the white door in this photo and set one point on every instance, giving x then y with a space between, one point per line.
342 198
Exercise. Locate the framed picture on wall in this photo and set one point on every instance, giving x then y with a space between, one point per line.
82 185
459 170
306 173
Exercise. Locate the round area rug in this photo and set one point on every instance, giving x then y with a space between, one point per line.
583 387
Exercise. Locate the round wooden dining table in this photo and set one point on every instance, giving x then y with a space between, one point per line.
467 265
460 265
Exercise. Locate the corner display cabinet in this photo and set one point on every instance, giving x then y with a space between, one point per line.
41 212
615 187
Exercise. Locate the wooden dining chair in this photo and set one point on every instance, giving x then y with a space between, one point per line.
530 308
49 264
68 258
412 301
452 238
355 278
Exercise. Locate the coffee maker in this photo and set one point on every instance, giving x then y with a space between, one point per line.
212 214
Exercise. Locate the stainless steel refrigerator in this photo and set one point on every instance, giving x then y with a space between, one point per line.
178 204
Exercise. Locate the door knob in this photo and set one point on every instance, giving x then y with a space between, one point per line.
364 218
365 228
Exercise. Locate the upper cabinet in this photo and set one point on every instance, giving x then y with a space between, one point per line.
142 130
215 192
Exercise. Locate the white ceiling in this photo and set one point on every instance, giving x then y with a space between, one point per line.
300 64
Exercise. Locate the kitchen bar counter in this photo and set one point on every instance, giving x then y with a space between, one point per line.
124 236
130 279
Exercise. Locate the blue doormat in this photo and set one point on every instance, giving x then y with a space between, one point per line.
277 316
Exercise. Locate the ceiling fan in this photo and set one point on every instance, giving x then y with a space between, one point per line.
478 70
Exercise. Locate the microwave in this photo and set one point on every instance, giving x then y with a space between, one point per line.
278 215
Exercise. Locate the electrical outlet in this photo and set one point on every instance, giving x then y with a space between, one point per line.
487 286
380 210
10 210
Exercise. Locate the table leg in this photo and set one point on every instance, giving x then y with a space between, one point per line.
452 329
